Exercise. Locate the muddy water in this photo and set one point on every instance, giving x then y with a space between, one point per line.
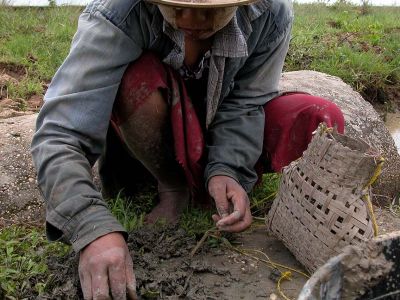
393 124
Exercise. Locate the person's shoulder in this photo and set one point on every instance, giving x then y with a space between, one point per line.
280 10
117 11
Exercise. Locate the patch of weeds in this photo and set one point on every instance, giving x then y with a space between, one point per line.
24 89
130 212
360 47
22 104
23 254
263 195
196 222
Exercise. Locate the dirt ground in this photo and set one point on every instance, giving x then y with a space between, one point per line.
12 74
165 270
163 265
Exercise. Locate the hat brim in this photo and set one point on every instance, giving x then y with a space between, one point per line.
203 4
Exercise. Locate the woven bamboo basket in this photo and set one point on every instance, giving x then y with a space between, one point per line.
323 200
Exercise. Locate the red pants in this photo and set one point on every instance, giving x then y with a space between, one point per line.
290 118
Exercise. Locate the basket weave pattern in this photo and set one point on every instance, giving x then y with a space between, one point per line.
319 207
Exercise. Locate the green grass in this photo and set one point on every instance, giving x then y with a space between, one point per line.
37 39
360 45
130 212
23 267
362 48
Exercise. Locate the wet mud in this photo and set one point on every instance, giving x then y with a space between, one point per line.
164 268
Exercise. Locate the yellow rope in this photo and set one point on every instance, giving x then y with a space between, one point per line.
273 265
269 261
285 275
378 171
367 198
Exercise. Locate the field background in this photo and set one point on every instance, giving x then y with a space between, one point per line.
360 44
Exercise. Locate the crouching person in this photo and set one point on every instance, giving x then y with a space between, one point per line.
186 91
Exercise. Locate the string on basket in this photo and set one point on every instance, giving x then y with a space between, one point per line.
367 198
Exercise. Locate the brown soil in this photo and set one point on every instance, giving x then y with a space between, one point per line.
13 70
13 73
165 270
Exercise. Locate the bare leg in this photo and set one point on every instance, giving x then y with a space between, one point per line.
148 135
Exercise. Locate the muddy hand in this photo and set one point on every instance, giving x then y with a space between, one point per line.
232 204
106 269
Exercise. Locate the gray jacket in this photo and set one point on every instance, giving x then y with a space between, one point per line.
245 66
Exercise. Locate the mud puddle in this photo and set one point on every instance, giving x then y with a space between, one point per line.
165 270
393 124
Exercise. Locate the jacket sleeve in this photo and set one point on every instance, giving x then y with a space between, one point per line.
235 137
72 126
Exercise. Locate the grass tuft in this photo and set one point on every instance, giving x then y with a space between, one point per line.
263 195
196 222
130 212
23 266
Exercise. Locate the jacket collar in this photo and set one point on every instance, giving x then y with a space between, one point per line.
230 41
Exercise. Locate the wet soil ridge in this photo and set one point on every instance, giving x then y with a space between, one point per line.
11 76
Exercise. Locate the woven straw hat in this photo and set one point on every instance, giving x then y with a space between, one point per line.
203 3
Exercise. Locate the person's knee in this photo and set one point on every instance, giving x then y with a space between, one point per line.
141 89
317 110
331 114
146 72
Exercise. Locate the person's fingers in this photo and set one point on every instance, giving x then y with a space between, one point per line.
217 190
240 204
216 218
233 218
86 283
100 287
239 226
130 278
117 279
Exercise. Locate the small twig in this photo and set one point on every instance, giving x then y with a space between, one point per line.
201 242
